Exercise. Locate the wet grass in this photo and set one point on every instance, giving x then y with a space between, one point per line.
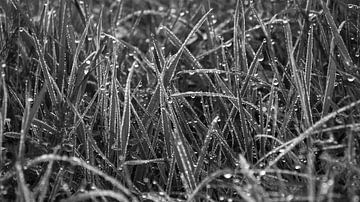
180 100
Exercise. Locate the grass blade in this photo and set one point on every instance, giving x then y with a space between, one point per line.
182 156
297 77
294 142
125 120
204 148
74 68
309 61
337 38
330 82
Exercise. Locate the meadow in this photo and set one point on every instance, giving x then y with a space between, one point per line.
188 100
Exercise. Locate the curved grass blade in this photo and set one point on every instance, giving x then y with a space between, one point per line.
3 113
207 94
182 156
204 148
294 142
251 70
297 77
44 183
62 48
74 68
309 61
165 123
330 82
49 81
25 194
125 121
206 181
97 193
79 162
337 38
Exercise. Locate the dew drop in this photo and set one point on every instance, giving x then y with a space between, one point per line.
351 78
228 175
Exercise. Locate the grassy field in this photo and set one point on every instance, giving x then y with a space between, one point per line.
189 100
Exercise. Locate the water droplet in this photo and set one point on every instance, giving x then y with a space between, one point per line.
264 109
275 82
351 78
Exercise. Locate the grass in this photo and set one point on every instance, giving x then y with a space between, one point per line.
179 100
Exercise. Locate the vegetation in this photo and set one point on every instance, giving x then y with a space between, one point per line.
180 100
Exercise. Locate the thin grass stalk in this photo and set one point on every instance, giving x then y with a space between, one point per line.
97 193
79 162
206 181
25 194
236 41
49 81
125 119
337 38
3 113
330 82
43 185
294 142
204 148
243 38
309 64
75 67
62 47
183 158
24 127
296 74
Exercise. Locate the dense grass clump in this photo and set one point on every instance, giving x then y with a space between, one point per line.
162 100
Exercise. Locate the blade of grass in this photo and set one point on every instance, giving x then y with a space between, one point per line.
43 185
74 68
3 113
79 162
204 148
337 38
171 174
236 44
296 74
199 93
166 127
206 181
294 142
125 119
25 194
62 47
184 160
309 61
171 68
330 82
49 81
97 193
251 70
